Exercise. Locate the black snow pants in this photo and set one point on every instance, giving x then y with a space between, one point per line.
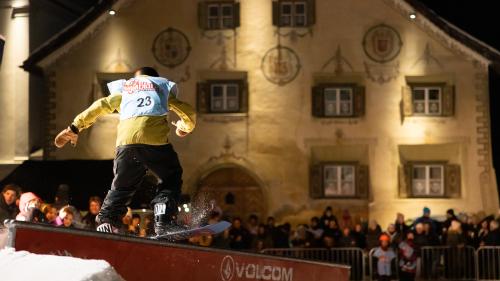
130 166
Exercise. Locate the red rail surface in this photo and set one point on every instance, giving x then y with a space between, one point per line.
143 259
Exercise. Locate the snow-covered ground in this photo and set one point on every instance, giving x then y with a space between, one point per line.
22 266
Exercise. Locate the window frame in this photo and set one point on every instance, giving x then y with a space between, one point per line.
338 101
293 13
339 166
427 180
225 86
220 16
427 89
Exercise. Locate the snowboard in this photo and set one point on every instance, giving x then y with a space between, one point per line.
210 229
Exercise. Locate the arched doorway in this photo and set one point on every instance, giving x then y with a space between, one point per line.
236 192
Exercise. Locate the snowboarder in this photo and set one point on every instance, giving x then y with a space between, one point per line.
142 144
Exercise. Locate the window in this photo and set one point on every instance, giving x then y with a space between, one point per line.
219 15
335 101
222 96
433 180
338 101
428 180
339 180
426 100
293 13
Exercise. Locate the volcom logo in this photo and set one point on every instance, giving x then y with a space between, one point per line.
229 268
160 208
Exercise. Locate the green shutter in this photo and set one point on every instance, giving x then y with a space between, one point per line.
316 181
452 181
407 101
202 15
311 12
359 101
202 97
243 89
276 13
318 101
362 181
448 106
404 175
236 13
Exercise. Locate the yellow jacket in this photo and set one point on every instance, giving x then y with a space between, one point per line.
152 130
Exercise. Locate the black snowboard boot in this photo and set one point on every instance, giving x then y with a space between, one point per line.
166 217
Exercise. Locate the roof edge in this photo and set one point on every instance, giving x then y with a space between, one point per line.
66 35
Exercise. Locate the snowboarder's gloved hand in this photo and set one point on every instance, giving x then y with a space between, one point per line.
182 129
64 136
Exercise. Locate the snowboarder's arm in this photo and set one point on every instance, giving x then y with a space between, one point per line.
185 111
100 107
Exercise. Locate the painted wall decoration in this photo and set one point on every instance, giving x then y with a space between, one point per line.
382 43
171 47
280 65
339 63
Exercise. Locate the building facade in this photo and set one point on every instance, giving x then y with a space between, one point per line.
366 106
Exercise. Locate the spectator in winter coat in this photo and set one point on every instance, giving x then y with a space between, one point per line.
455 236
359 235
426 218
316 232
28 206
333 230
50 213
393 235
68 219
327 217
238 235
407 259
401 227
8 208
384 255
420 239
88 220
347 240
372 235
493 237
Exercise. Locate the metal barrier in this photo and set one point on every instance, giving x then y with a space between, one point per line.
372 266
488 263
444 262
354 257
435 263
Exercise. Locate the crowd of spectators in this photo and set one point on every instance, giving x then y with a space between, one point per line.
28 206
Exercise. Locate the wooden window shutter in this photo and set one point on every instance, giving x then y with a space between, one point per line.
276 13
318 101
202 15
359 100
452 181
243 89
407 101
202 97
316 181
448 106
311 12
236 14
362 181
404 175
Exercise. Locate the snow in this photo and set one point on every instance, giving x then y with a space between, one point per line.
22 265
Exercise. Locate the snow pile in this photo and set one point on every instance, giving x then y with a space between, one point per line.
22 265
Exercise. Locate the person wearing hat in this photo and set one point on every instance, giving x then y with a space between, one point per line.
426 219
29 205
384 255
